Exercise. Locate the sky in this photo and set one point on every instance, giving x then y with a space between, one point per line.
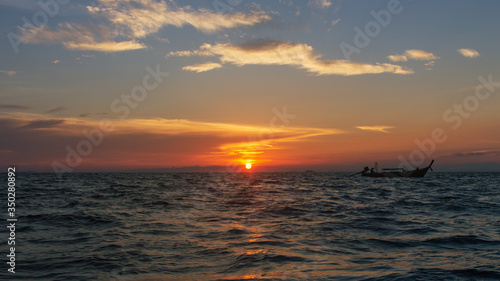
281 85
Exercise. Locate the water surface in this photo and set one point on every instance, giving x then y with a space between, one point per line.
274 226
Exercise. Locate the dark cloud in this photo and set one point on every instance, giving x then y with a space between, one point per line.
14 106
57 109
262 44
34 149
39 124
86 115
476 153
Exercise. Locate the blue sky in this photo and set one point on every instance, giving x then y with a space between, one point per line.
233 63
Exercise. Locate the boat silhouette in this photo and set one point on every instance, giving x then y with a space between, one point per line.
395 172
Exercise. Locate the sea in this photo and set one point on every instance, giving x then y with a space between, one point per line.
246 226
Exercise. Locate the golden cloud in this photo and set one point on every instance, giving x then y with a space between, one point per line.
79 37
139 18
272 52
228 142
414 55
203 67
107 46
420 55
397 58
469 53
377 128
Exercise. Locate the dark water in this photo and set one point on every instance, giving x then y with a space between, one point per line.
274 226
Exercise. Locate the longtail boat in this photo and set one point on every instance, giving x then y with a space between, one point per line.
395 172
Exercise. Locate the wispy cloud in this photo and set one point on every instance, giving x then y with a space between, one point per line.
272 52
177 138
377 128
43 124
203 67
86 115
79 37
334 22
420 55
8 72
319 4
397 58
14 107
130 20
107 46
57 109
139 18
332 25
414 55
469 53
476 153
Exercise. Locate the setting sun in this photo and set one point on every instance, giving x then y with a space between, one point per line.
248 166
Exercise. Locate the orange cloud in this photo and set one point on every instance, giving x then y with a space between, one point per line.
143 142
8 72
378 128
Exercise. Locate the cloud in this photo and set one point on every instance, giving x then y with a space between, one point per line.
420 55
79 37
44 124
203 67
397 58
319 4
131 20
414 55
272 52
8 72
108 46
139 18
333 24
170 142
377 128
469 53
476 153
86 115
14 107
56 61
57 109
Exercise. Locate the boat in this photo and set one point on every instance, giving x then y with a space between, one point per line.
395 172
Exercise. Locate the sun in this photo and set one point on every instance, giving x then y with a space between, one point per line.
248 165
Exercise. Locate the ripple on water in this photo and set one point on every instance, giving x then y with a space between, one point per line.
275 226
